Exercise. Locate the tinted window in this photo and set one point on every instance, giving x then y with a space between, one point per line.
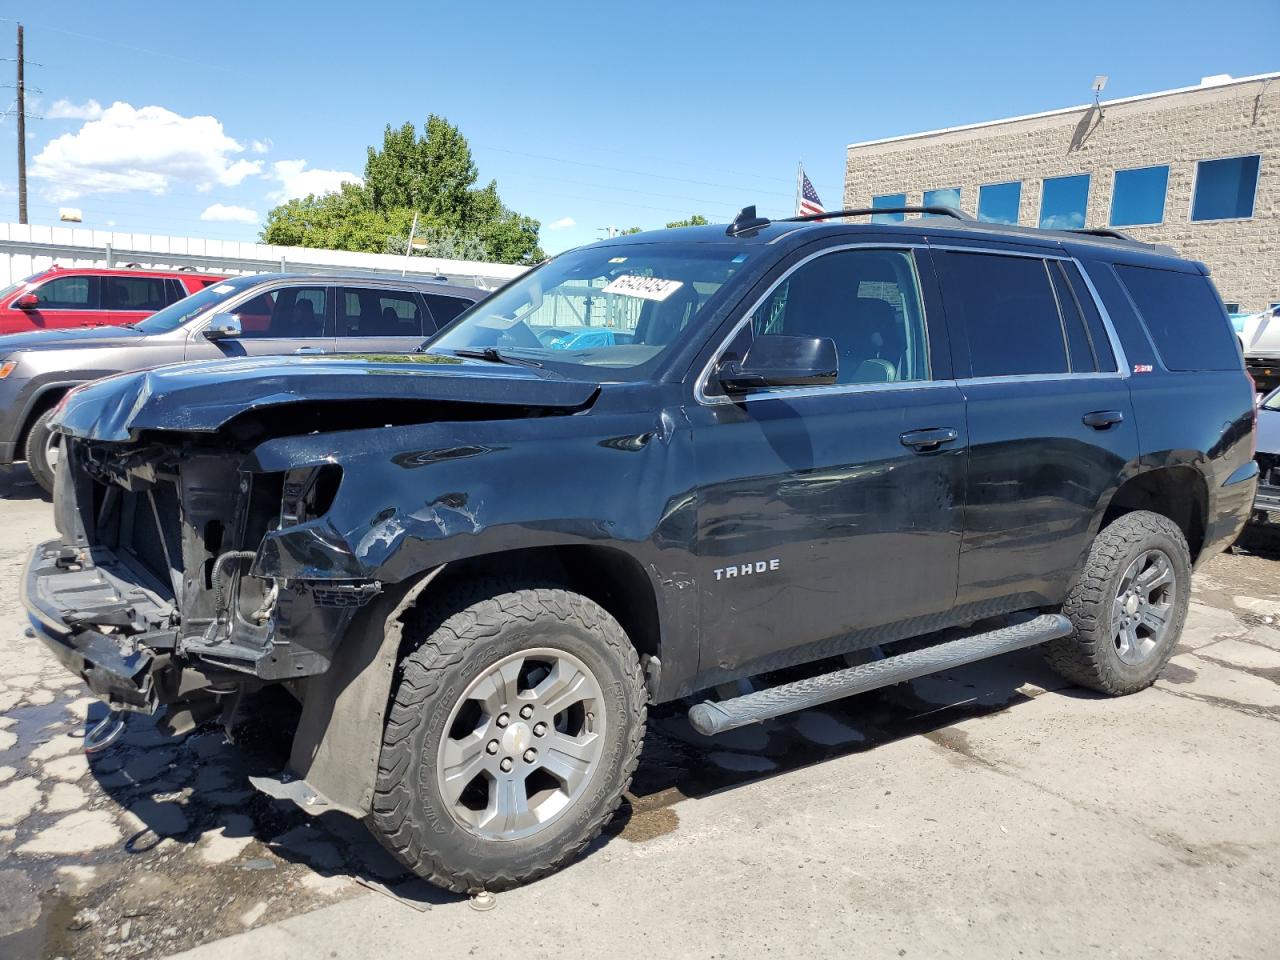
1063 202
1079 347
1184 318
1225 189
292 313
444 309
943 197
1137 196
378 313
888 200
867 301
1007 310
66 293
998 202
1093 319
133 293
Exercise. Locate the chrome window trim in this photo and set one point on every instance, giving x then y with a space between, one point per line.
1122 361
704 376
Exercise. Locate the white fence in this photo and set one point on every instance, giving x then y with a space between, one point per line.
28 248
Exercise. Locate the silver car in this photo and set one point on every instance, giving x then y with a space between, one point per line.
242 316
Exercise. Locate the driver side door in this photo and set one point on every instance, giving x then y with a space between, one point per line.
821 515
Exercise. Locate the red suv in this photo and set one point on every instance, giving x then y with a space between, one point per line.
93 296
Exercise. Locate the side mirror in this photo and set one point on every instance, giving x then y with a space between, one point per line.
775 360
223 326
28 301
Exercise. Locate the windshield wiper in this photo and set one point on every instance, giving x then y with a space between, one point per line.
493 356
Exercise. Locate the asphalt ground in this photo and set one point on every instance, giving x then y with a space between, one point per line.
993 811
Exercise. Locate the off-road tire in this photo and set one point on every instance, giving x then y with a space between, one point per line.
35 452
1088 656
457 638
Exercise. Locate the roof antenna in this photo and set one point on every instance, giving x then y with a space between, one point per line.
746 222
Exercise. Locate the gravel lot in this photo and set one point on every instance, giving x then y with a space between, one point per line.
991 812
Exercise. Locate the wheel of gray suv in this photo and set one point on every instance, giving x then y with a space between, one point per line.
1128 606
514 730
42 451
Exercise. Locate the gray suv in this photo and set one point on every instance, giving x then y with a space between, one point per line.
239 317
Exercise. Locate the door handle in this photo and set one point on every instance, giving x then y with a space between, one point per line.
305 350
923 441
1102 419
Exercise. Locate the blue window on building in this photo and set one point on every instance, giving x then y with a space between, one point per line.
942 197
1063 202
998 202
1225 189
1137 196
888 200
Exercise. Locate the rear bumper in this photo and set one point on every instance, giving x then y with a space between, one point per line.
1266 505
1231 509
114 669
1264 370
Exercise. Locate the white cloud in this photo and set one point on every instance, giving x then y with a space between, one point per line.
66 110
260 146
297 181
564 223
144 148
229 213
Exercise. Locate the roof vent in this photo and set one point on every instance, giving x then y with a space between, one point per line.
1215 80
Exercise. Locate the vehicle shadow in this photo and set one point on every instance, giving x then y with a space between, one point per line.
189 788
16 483
1260 541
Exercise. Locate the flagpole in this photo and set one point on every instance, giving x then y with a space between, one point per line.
799 178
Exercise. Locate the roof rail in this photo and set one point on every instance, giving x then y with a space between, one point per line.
932 209
1104 232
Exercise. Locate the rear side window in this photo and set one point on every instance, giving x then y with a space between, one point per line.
133 293
1007 310
371 312
1183 318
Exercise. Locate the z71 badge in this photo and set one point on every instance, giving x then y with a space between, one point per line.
747 569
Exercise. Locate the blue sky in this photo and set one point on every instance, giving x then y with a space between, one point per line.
586 113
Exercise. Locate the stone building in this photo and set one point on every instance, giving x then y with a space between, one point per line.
1197 168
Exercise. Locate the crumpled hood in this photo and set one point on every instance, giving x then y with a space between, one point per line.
69 339
202 396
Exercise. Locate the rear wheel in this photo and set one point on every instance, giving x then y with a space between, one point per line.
42 449
513 733
1128 606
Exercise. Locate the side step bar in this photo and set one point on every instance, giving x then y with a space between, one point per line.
711 718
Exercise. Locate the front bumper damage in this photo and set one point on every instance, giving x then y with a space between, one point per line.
157 594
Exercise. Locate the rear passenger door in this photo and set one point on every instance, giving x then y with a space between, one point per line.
1051 426
379 320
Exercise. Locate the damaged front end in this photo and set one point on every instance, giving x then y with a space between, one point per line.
155 594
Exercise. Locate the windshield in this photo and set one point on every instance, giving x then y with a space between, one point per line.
176 314
1272 402
16 286
598 311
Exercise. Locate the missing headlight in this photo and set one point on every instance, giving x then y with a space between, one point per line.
308 493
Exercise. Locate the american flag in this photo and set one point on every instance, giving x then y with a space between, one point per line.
809 202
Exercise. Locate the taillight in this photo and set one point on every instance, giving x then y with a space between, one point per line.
1253 431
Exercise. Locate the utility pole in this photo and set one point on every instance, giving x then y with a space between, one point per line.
22 136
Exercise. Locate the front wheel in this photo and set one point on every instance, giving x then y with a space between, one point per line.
1128 606
42 449
513 733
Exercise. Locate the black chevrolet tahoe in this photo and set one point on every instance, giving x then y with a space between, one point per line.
646 468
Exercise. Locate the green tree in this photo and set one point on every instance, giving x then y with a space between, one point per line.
432 176
630 230
697 220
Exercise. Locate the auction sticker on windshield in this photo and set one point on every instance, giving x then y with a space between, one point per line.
646 288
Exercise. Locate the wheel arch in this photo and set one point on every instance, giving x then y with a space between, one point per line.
1178 492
